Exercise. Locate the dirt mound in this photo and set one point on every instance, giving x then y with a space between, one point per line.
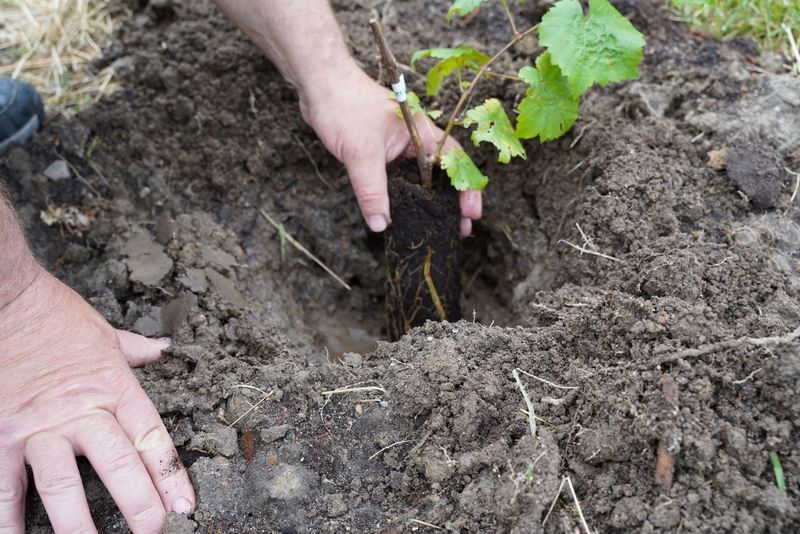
648 299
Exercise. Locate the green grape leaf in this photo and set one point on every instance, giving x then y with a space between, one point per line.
416 106
549 109
462 171
493 126
599 48
462 8
452 60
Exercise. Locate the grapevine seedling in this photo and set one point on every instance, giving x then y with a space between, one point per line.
580 50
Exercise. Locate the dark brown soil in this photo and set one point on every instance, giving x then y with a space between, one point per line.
654 322
423 251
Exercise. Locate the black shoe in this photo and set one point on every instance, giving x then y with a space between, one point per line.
21 112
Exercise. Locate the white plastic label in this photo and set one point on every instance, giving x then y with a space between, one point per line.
399 89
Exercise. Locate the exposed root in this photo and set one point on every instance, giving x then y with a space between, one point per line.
531 414
386 448
719 346
588 247
348 389
543 381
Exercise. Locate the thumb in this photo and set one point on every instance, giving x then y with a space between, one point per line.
139 350
367 172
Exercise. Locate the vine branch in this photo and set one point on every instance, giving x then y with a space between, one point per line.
392 70
466 95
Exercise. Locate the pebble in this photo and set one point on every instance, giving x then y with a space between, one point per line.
58 170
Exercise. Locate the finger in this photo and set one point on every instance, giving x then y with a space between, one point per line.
58 482
140 350
140 420
367 172
118 465
471 204
466 227
13 485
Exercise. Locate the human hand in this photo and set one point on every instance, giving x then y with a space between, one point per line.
358 124
65 390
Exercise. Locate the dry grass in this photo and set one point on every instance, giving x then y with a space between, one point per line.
53 43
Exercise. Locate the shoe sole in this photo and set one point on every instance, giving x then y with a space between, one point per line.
22 135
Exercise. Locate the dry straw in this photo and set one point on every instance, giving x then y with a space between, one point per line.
53 45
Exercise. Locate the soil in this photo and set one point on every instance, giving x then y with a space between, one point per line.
423 251
633 277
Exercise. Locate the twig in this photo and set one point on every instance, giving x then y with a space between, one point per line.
510 17
303 249
578 505
543 381
352 390
451 121
568 481
393 73
796 183
531 414
793 46
425 523
253 407
580 135
395 444
555 500
730 344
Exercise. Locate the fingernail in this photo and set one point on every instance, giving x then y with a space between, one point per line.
466 227
165 342
181 506
377 223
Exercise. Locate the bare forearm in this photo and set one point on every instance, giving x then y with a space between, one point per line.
301 38
18 269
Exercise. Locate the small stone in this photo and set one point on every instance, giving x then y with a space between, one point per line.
274 433
58 170
716 158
